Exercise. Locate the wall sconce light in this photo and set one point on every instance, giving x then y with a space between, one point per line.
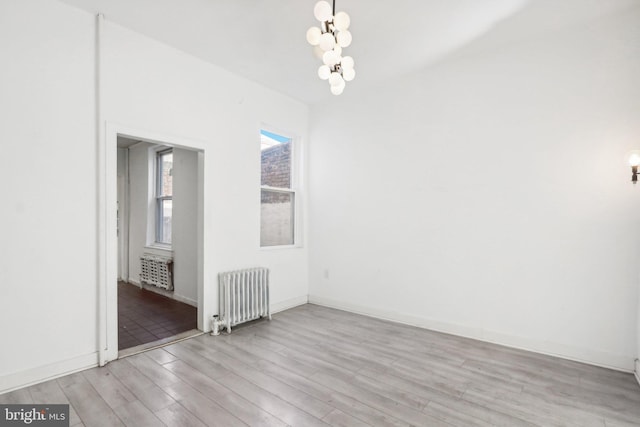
634 162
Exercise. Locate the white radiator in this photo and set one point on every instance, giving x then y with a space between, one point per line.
157 271
244 296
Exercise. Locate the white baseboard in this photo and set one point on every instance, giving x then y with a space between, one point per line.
47 372
637 371
186 300
589 356
290 303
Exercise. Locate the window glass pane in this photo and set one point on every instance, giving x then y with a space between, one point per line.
166 174
275 160
276 218
165 221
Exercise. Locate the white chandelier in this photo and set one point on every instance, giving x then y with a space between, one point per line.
329 39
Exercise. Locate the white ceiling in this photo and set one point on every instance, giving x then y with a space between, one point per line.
264 40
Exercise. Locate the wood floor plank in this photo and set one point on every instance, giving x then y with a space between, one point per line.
445 404
109 387
135 414
208 366
340 419
153 370
398 394
618 423
270 403
349 346
145 390
425 370
430 386
239 406
373 399
91 408
304 342
270 384
520 408
161 356
249 348
584 416
16 397
614 387
310 355
395 350
67 380
205 409
50 392
588 406
340 401
177 416
313 365
367 343
461 413
333 398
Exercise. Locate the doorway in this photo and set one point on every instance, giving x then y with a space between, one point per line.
158 226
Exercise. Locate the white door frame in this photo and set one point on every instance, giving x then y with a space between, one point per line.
108 239
123 220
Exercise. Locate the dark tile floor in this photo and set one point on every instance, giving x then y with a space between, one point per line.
144 316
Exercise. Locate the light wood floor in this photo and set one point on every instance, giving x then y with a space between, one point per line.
317 366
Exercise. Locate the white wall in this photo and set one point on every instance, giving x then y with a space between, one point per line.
489 196
47 106
48 176
139 204
184 226
153 87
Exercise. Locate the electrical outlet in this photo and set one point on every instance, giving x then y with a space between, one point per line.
326 273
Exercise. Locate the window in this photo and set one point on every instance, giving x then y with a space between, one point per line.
277 196
164 196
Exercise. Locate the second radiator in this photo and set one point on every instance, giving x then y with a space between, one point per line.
243 296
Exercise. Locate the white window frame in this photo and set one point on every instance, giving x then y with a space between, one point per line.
293 190
158 196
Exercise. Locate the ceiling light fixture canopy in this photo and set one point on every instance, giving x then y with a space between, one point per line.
330 38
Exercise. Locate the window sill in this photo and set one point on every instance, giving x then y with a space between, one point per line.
159 248
280 247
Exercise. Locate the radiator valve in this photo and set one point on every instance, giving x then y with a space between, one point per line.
215 325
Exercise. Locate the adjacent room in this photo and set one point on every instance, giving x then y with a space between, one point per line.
308 213
157 243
